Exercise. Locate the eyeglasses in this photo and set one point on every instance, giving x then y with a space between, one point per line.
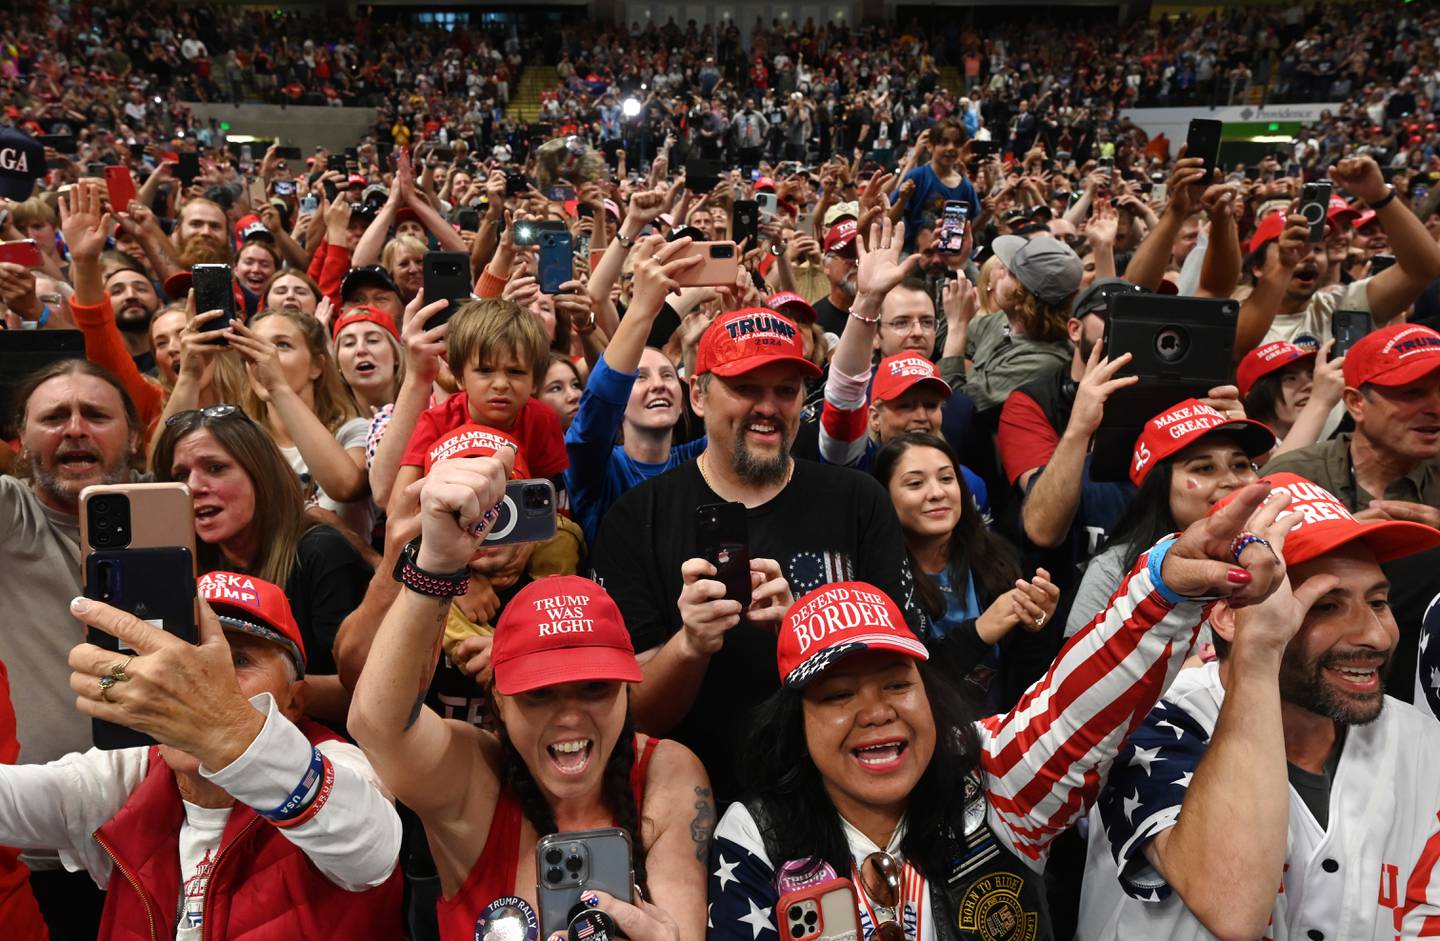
209 413
907 324
880 878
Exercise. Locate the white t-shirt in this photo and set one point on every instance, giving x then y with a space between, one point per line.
1311 327
199 842
359 515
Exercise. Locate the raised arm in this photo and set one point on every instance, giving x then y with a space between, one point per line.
1417 254
423 349
1147 266
1257 312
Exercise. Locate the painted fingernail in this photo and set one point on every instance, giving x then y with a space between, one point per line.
1238 577
590 898
79 605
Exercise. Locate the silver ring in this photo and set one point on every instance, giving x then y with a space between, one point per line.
1040 621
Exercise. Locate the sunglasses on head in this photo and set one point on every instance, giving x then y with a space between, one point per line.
209 413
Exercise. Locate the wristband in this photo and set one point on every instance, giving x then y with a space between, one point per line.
327 784
863 319
1382 203
44 317
304 792
431 584
1155 562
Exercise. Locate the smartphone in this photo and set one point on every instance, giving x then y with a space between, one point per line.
769 204
720 265
468 220
447 277
335 162
156 585
309 204
526 513
121 187
1379 263
701 176
1203 140
24 252
1347 327
257 193
1314 206
557 261
1292 169
824 912
187 168
528 231
1252 173
952 227
95 170
214 290
745 221
560 194
1158 192
515 183
568 863
289 153
722 538
60 143
136 516
284 187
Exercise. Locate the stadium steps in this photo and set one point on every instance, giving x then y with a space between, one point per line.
951 80
525 99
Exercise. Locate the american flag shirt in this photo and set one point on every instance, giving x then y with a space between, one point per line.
1040 765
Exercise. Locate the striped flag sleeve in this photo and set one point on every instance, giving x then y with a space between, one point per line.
1043 762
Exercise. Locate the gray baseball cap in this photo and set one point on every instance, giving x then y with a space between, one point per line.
1047 267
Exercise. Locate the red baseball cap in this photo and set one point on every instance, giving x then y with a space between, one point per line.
1182 425
254 606
746 339
902 372
1264 360
561 629
1340 211
836 620
1363 219
804 312
355 181
1326 524
1268 229
841 235
1393 356
364 313
474 440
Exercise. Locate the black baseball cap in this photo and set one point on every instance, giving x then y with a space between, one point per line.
371 275
1096 298
22 162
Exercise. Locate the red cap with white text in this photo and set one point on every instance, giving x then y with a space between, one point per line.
746 339
1326 525
472 440
254 606
1181 425
836 620
902 372
561 629
1265 359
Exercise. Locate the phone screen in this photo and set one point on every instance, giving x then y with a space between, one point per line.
952 227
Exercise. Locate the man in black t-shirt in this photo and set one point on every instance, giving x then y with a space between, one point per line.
808 525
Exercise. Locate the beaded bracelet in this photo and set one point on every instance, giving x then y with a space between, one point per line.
1245 540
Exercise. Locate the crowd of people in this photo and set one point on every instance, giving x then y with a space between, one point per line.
874 569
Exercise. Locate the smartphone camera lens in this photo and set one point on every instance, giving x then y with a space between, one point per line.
796 913
553 856
574 863
537 498
553 875
722 251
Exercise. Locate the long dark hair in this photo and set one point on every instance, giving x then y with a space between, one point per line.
1148 518
615 791
796 817
974 550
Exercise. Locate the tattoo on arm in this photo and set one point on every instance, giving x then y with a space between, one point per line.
415 711
427 670
703 826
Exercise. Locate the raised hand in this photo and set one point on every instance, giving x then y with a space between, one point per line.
83 224
879 268
1199 564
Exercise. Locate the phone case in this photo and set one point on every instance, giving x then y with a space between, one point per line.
23 252
825 912
155 585
557 263
1348 327
1315 206
447 276
768 203
120 186
745 221
568 863
1203 140
526 513
151 516
214 290
722 538
720 265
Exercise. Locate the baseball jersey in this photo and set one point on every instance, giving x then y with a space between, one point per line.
1040 765
1371 874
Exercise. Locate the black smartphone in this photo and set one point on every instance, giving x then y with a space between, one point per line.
745 222
1314 206
1203 140
1347 327
984 148
22 352
156 585
1379 263
95 169
60 143
335 162
289 153
722 538
701 176
468 220
557 261
526 514
515 183
214 290
447 277
188 167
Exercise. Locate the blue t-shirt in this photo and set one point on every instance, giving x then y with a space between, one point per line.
600 470
959 607
927 203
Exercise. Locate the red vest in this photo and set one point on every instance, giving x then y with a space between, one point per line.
262 886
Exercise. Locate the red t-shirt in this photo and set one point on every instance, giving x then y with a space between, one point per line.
1026 439
537 430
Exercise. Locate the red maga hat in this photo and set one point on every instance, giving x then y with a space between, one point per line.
1182 425
254 606
836 620
902 372
742 340
1265 359
561 629
1393 356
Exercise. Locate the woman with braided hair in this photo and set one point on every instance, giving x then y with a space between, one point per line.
565 756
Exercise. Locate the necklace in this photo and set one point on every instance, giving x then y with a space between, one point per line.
700 463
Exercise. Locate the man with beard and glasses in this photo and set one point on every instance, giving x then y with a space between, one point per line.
807 525
1279 792
1287 304
77 427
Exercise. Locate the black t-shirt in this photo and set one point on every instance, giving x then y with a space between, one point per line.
328 582
832 318
829 524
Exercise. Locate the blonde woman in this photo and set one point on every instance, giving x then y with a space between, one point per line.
404 258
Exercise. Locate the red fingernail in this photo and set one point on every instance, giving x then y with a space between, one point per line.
1238 577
